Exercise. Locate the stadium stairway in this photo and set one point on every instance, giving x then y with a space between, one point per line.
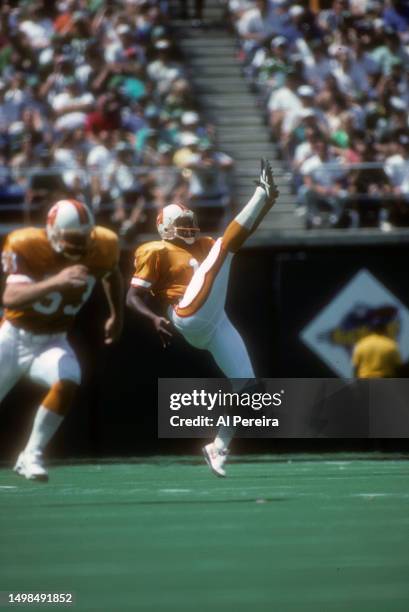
226 102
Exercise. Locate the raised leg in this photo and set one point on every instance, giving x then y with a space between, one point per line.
206 292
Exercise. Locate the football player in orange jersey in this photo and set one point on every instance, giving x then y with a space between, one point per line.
50 274
190 274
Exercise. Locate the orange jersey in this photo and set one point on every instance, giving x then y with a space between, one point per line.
28 257
166 269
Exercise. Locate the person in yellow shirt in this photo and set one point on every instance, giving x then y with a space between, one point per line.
376 355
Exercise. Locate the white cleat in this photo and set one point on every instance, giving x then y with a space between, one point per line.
385 226
266 181
215 459
31 466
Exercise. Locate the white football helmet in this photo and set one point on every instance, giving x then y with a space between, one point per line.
177 221
69 225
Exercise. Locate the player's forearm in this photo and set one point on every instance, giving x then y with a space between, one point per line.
135 302
114 291
22 295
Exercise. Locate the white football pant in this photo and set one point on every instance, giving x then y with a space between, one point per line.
46 359
209 327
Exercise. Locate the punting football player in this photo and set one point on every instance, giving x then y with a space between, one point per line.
190 273
50 274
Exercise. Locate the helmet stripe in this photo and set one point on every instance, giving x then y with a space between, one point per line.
52 213
82 212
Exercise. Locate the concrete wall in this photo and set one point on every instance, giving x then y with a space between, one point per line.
272 296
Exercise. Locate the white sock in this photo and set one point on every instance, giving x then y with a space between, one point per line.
224 437
45 425
226 432
248 215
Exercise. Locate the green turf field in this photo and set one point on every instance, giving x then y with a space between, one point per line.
308 534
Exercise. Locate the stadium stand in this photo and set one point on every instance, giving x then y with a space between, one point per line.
333 84
180 108
120 127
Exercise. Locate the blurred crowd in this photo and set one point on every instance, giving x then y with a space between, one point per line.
96 104
333 80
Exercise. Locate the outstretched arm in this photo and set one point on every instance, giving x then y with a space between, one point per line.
135 301
114 288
